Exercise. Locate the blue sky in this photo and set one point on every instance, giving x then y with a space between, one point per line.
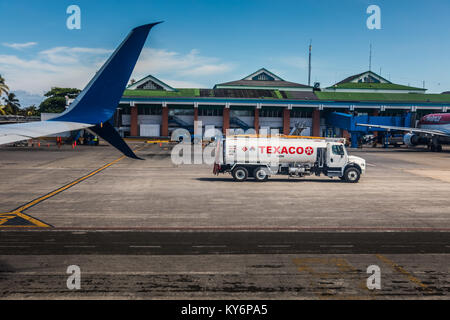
206 42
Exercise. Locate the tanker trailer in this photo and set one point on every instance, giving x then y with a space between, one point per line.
259 157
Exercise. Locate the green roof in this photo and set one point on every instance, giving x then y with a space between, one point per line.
377 86
321 95
162 93
390 97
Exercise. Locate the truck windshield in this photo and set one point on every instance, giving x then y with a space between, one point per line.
338 149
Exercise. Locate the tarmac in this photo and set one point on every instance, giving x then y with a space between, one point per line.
153 229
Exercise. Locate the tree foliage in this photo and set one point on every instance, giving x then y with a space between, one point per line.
10 105
56 99
3 87
30 111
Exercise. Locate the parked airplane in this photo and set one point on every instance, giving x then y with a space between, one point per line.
433 131
96 104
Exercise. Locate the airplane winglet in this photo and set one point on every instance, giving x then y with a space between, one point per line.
149 25
100 98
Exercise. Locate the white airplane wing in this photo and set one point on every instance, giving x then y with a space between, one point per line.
10 133
410 130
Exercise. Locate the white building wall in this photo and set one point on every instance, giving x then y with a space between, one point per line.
149 130
216 121
148 119
270 122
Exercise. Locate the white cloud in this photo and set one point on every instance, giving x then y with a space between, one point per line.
67 55
20 46
176 65
75 66
61 66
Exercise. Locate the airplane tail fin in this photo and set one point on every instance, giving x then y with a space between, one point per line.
98 101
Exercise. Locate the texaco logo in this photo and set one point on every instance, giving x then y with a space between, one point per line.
309 151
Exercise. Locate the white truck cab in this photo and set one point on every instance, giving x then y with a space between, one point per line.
337 160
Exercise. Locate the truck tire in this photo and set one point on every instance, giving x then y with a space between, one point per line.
352 175
240 174
260 174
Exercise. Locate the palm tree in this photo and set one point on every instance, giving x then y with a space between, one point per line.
29 111
3 87
3 110
12 104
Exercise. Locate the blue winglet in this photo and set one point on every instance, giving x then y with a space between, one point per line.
97 103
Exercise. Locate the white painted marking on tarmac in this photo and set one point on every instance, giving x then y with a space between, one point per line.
397 246
337 246
14 246
370 165
145 246
79 246
209 246
275 246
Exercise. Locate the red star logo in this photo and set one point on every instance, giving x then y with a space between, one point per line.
244 149
309 151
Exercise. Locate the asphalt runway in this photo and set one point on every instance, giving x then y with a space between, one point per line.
201 243
96 188
152 229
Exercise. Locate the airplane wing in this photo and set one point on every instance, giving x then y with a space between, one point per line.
10 133
410 130
96 104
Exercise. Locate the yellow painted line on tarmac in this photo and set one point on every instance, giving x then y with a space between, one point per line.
17 219
71 184
402 271
336 268
24 221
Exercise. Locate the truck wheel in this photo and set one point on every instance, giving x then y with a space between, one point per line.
260 174
240 174
352 175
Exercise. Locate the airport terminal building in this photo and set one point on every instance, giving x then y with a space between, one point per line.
150 107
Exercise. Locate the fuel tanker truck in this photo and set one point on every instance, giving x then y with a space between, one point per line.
260 157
